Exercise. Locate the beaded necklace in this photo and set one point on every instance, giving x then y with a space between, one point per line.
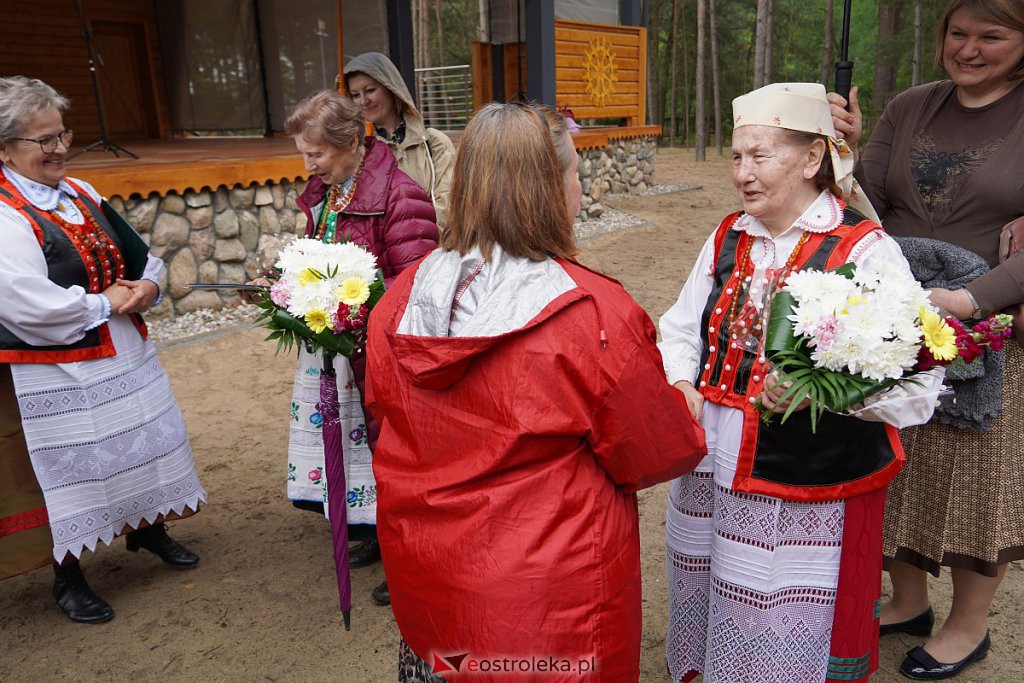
746 269
103 261
339 196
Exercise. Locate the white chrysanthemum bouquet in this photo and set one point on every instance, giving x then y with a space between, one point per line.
321 295
840 336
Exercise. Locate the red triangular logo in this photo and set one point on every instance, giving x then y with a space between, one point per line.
441 665
456 660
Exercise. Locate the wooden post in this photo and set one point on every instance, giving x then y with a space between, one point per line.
482 67
641 118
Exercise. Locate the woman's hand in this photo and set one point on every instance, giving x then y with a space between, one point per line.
142 294
253 297
118 295
694 399
956 303
773 391
849 124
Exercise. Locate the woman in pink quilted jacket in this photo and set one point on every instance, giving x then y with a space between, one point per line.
356 193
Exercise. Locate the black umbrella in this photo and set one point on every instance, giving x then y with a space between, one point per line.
844 67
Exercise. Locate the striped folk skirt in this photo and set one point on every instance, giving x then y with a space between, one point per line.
766 589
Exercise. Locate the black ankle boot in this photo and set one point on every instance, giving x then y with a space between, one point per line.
76 599
381 595
154 538
364 553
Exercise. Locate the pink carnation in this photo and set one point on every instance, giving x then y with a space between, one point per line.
825 333
280 294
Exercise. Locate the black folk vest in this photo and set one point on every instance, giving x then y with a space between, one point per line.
846 456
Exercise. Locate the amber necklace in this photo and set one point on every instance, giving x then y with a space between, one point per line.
746 269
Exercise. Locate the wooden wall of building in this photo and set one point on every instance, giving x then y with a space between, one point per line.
601 70
43 39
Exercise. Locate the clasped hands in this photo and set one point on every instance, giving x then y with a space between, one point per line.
770 396
131 296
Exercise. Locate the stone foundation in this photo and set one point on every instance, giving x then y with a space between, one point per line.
623 167
228 235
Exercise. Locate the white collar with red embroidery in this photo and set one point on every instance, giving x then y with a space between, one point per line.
825 214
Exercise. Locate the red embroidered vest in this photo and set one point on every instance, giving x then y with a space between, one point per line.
847 456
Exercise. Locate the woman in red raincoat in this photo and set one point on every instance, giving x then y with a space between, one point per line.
523 402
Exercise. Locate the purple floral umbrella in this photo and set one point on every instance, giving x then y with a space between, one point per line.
334 469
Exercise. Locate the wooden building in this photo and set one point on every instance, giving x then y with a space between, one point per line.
176 75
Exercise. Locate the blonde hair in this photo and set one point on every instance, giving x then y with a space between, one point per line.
507 187
1006 13
327 116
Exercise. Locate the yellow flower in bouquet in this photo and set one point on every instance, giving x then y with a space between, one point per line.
318 320
309 275
939 337
354 291
851 302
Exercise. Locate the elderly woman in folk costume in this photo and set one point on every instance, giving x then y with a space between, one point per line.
425 154
356 193
82 395
774 542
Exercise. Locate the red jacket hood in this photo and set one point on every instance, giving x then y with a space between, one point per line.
440 362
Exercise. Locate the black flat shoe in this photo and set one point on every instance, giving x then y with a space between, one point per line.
364 554
922 666
921 625
76 599
381 595
154 538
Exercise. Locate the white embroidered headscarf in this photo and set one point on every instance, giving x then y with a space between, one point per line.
804 107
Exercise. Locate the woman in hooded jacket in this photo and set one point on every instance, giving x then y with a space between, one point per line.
425 154
522 404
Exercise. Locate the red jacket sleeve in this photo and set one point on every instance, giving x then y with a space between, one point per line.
644 434
410 231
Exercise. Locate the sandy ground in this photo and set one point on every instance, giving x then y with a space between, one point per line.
262 605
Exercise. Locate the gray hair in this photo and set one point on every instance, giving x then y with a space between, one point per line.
21 99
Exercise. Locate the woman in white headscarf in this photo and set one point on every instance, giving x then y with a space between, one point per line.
774 542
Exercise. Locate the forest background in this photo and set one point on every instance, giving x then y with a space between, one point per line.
696 47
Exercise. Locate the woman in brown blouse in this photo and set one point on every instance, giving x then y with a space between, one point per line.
945 162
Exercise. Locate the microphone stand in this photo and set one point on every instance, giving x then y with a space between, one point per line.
104 144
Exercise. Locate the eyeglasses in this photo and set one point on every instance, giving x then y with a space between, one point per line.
48 144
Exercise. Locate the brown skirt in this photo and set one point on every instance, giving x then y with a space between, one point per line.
959 502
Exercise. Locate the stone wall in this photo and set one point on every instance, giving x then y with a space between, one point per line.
227 235
623 167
